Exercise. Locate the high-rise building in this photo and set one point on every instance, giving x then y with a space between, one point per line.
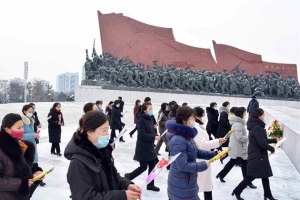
67 82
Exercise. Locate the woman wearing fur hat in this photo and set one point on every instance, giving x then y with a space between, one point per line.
16 159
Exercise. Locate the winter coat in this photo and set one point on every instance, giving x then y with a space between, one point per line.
238 139
36 121
144 150
116 122
16 168
212 124
182 178
29 134
108 113
136 109
253 104
202 141
162 122
258 159
53 128
224 126
121 105
92 174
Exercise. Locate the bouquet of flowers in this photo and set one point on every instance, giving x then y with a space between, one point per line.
275 130
220 155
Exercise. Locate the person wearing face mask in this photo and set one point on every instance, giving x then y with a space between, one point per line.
92 174
212 115
16 161
116 123
238 143
37 125
29 133
144 151
87 108
182 179
258 159
163 115
202 141
55 122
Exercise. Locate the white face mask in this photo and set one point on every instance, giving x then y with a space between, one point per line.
216 108
29 115
192 124
118 106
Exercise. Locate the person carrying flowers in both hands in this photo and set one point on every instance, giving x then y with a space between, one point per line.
55 122
182 179
16 161
258 159
238 143
92 174
202 141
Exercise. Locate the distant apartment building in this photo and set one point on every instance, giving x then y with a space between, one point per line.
67 82
20 81
45 84
83 73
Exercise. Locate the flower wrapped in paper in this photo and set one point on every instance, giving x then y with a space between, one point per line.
228 134
275 130
220 155
40 176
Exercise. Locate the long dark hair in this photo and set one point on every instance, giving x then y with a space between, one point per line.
54 106
90 122
9 120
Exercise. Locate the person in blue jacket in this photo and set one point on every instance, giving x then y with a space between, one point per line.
253 104
182 179
29 134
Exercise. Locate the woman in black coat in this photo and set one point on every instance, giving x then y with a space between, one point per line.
92 174
258 159
116 123
212 115
108 110
144 151
55 122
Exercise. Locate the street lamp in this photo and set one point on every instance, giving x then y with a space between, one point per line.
25 80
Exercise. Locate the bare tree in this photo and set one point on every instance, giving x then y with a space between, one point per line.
16 92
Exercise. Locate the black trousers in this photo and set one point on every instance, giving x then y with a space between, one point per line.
55 146
133 131
113 134
143 167
231 164
265 182
208 195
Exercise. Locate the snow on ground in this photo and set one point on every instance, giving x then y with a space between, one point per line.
285 183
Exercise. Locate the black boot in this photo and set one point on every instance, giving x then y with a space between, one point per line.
153 188
208 195
42 184
252 186
238 196
221 178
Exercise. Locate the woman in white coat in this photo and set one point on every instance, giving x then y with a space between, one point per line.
202 141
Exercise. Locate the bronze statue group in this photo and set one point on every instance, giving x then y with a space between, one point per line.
109 70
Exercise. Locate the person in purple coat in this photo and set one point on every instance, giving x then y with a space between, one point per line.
182 179
136 110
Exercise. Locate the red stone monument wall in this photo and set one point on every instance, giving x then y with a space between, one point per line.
140 42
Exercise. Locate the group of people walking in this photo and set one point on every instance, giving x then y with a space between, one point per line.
92 173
